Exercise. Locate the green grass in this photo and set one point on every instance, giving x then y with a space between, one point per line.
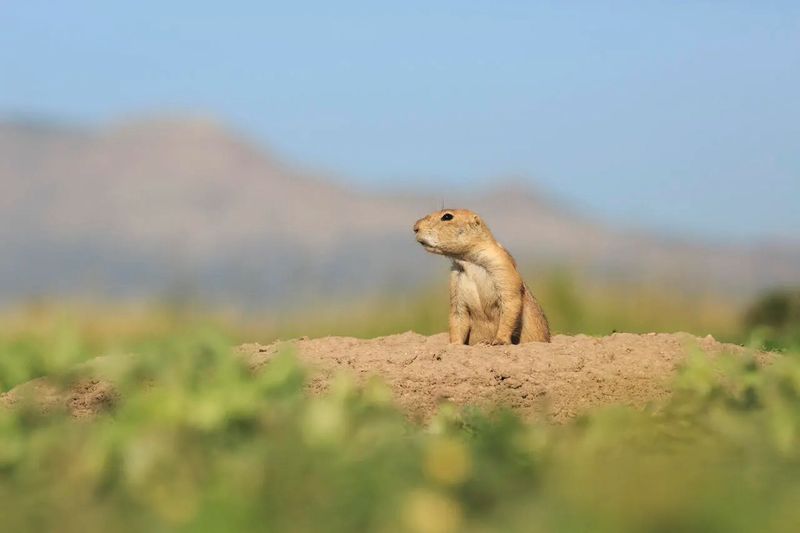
201 444
40 338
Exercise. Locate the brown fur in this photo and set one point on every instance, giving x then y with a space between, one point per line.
489 302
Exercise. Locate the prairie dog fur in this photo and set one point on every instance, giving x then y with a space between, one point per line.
489 302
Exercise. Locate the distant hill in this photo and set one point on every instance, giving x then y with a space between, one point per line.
143 207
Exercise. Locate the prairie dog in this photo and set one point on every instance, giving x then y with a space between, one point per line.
489 302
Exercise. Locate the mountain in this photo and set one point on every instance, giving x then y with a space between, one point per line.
139 208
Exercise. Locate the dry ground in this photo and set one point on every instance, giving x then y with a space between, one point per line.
559 380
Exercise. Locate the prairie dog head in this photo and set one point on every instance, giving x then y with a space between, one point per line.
451 232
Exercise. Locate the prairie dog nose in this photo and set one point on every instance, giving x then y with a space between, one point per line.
416 227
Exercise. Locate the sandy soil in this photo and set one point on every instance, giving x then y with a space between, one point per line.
559 380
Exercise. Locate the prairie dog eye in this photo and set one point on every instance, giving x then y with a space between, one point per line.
447 216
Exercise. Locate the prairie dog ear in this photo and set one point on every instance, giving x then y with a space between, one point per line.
476 220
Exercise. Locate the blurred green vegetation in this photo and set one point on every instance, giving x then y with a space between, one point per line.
774 318
39 337
200 443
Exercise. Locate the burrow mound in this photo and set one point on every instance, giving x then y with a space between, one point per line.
559 380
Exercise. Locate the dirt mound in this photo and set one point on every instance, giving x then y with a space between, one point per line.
560 379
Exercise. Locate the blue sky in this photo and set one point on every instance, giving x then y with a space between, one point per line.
679 116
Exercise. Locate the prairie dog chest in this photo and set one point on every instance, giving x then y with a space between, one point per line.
474 288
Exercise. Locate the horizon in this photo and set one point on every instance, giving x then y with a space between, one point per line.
680 120
487 186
